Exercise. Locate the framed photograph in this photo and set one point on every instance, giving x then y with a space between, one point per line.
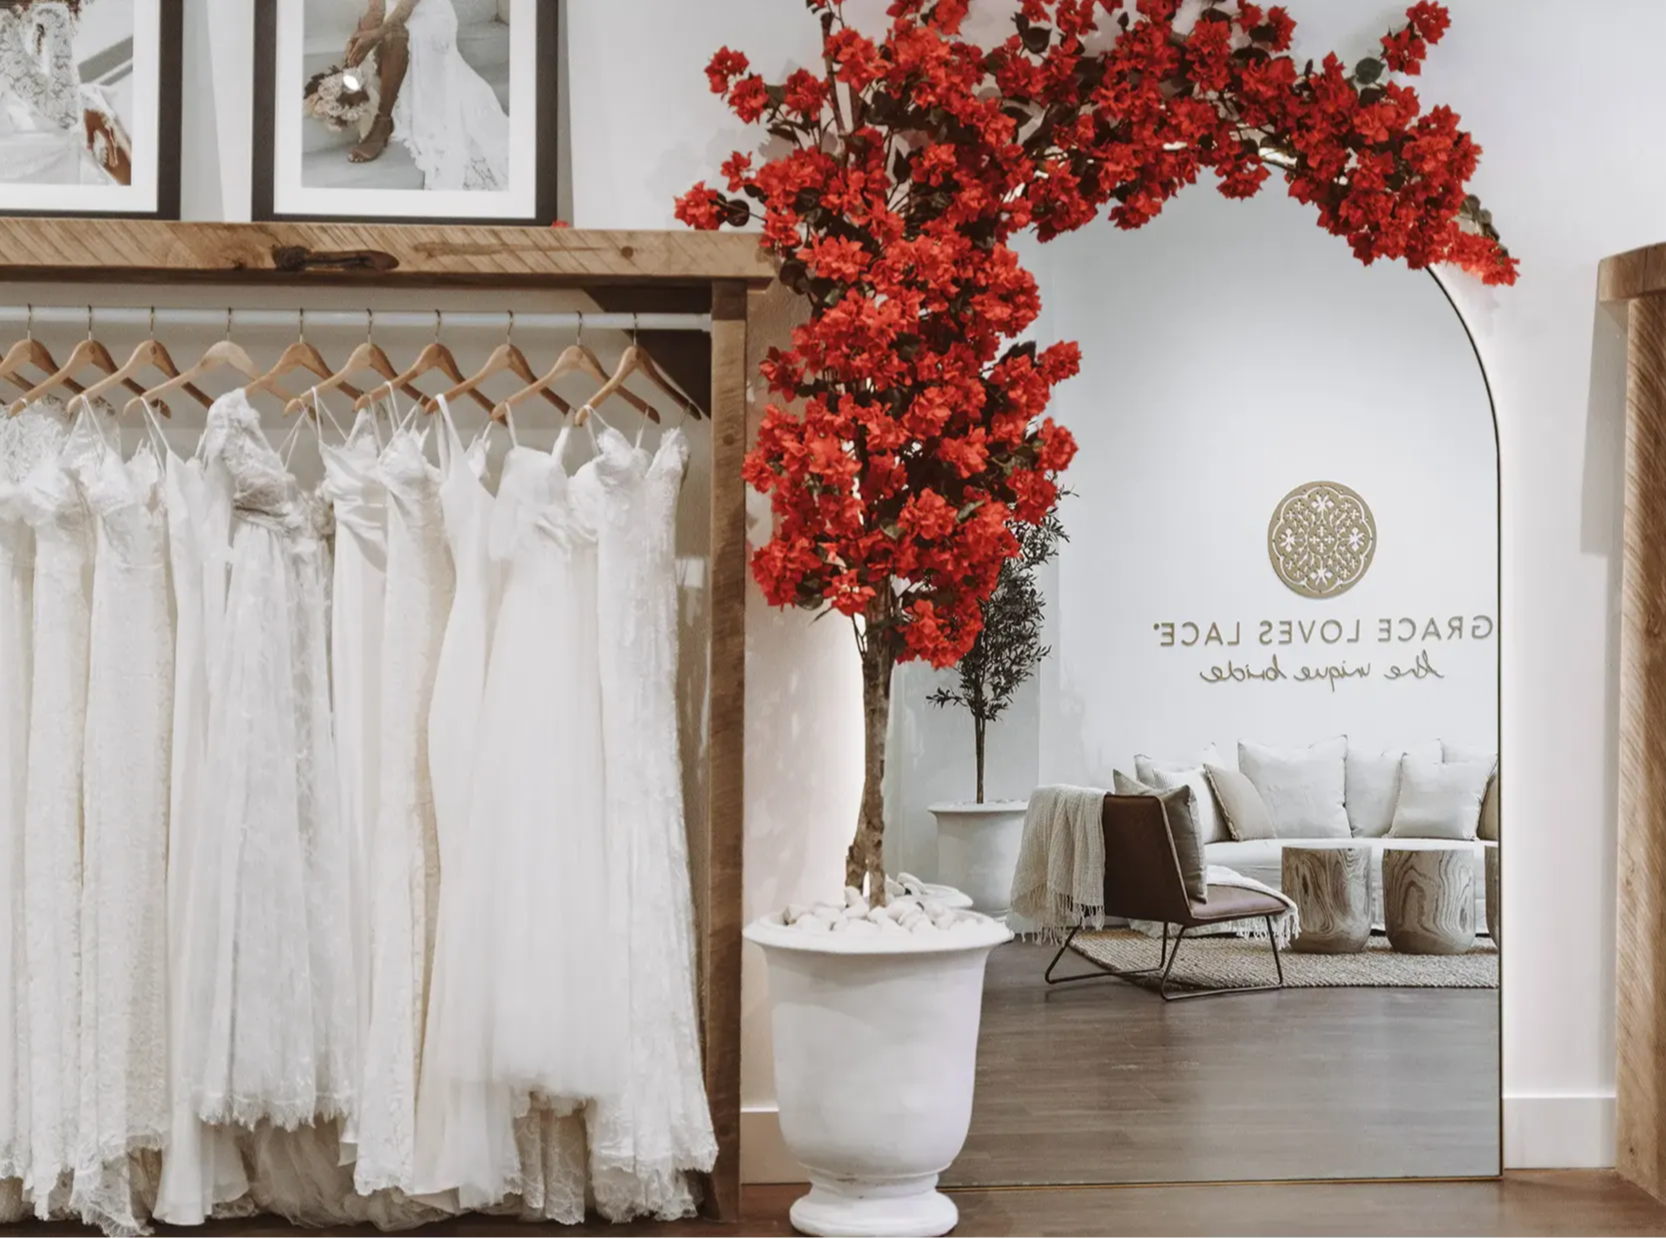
89 107
420 110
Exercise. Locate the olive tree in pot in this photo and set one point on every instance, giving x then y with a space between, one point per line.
909 434
977 840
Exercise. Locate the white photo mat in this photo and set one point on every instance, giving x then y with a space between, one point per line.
291 197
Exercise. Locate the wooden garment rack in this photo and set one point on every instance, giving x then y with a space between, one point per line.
1637 279
622 271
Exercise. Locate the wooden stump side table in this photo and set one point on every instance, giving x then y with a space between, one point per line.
1332 890
1429 900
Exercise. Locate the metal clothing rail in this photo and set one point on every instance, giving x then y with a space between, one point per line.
22 318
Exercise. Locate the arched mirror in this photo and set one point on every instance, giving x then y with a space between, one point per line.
1280 592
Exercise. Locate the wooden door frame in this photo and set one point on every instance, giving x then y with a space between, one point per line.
421 257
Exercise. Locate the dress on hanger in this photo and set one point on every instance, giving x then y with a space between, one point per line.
447 115
353 484
52 817
464 1137
124 1059
270 985
202 1168
644 1140
405 863
25 440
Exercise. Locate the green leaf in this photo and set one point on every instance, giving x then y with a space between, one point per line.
1369 70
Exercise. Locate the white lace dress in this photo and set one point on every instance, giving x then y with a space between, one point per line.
643 1141
202 1168
353 485
25 440
124 1060
52 816
446 114
41 100
405 862
270 984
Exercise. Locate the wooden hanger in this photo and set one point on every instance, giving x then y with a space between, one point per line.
435 357
298 356
30 352
221 355
88 352
150 353
505 358
368 356
575 359
636 360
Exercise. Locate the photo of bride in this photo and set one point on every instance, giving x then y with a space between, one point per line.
402 108
79 106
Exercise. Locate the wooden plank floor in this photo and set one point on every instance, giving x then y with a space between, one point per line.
1105 1083
1538 1203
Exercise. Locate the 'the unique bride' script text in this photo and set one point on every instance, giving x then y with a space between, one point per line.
1331 674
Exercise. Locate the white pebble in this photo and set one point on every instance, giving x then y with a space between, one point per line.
922 927
795 912
934 908
947 920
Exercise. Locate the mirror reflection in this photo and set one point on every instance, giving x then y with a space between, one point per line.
1268 631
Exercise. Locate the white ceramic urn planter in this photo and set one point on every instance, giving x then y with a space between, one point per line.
876 1041
977 850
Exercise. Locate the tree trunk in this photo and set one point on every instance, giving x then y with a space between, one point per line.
866 858
981 730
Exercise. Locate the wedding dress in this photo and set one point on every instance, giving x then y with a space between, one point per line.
124 1060
202 1168
659 1127
42 140
273 999
464 1136
405 862
52 816
25 441
353 484
447 115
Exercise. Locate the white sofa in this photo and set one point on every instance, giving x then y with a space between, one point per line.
1263 860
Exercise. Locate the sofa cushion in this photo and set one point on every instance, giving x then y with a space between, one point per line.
1182 824
1305 790
1440 800
1165 775
1488 826
1373 786
1242 808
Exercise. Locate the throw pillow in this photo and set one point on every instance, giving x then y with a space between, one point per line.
1373 786
1182 823
1241 805
1167 775
1305 790
1440 800
1488 828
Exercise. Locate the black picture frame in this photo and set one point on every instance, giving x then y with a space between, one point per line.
263 147
170 36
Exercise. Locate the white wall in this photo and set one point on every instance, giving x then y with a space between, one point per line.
1567 104
1231 352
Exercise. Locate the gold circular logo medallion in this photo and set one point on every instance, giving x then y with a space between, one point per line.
1321 539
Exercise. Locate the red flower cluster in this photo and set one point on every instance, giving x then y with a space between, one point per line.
919 436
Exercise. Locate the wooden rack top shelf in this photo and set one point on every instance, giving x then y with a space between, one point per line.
150 251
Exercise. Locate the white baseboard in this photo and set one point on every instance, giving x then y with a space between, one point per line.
1541 1132
763 1154
1562 1131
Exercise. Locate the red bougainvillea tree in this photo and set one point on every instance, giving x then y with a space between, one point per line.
911 437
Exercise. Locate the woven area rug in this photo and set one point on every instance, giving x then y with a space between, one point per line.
1223 961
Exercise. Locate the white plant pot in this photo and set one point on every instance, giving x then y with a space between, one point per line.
876 1044
977 850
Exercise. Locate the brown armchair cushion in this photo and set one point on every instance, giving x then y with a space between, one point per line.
1180 812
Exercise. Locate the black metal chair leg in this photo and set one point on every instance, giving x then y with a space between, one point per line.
1198 992
1101 971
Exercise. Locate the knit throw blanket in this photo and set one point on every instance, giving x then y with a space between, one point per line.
1060 880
